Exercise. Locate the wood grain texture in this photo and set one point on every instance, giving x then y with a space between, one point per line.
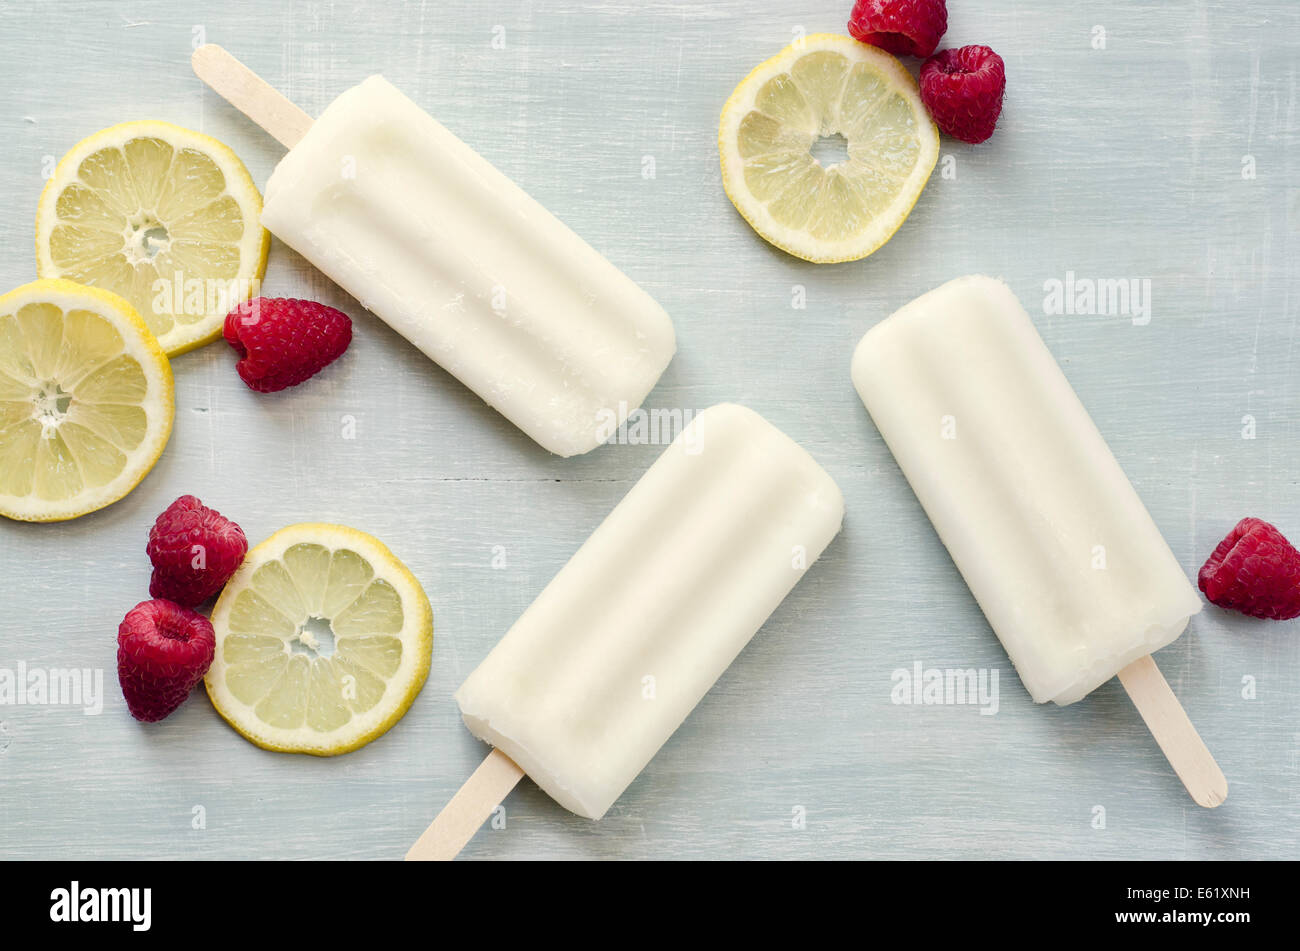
1125 162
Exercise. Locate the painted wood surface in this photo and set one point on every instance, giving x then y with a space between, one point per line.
1167 156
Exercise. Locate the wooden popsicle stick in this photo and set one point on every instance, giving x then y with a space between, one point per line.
1168 723
468 809
250 94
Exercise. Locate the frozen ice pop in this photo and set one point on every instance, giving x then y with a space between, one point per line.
460 261
1048 532
619 648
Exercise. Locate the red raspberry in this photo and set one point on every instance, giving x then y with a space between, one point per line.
963 90
282 342
163 650
194 550
1255 571
901 27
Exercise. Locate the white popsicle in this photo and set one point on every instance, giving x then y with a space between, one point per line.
1042 523
457 259
618 649
634 630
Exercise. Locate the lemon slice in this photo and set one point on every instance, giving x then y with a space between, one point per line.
323 641
86 400
827 85
164 216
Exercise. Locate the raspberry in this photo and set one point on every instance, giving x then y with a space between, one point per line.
901 27
282 342
963 90
1256 571
163 650
194 550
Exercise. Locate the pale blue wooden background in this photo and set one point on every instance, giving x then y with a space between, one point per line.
1123 162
